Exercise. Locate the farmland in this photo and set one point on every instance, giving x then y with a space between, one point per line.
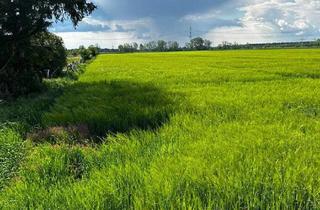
185 130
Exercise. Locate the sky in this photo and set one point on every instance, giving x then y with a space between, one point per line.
243 21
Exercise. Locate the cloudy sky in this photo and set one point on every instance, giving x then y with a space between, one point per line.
242 21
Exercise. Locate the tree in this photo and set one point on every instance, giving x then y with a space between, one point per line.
20 21
135 46
84 53
121 48
141 47
128 47
161 45
197 43
94 50
173 46
188 46
207 44
51 47
225 45
151 46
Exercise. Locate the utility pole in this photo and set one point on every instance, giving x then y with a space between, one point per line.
190 33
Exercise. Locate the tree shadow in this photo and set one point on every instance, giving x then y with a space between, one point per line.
26 112
111 107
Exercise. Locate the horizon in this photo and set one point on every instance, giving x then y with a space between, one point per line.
213 47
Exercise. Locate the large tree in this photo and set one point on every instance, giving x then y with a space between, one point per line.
20 21
199 44
162 45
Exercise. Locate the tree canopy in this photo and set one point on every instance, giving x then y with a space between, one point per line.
23 18
199 44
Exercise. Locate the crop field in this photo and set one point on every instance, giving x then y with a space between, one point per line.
185 130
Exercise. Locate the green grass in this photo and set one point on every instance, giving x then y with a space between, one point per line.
11 153
113 106
187 130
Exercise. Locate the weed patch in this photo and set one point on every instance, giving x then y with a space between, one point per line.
61 135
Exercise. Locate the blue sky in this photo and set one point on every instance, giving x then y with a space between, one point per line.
241 21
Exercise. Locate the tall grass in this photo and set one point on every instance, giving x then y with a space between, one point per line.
11 154
192 130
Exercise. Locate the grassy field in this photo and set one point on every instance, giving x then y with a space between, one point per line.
187 130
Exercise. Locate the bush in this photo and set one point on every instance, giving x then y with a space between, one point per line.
94 50
84 53
88 53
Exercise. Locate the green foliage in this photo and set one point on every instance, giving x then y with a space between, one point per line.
199 44
88 53
277 45
125 48
60 165
162 46
241 132
84 54
153 46
22 23
17 118
94 50
173 46
51 47
11 154
74 74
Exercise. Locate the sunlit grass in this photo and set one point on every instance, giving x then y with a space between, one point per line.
189 130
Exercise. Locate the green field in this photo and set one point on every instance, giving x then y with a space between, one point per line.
187 130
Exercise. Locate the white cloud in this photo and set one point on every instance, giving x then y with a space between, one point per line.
249 32
104 39
272 20
117 32
125 24
212 14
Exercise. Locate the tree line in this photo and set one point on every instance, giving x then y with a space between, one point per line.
164 46
203 44
277 45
